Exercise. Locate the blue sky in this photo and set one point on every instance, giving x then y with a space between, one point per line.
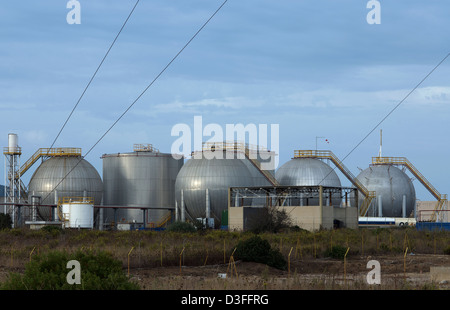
316 68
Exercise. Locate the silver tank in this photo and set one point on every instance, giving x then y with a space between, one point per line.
216 175
83 179
140 179
390 184
309 172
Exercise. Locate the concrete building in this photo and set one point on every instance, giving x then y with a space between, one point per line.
322 213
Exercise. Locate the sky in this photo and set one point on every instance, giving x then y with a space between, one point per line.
317 69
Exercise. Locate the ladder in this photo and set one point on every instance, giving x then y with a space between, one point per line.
164 220
403 161
257 164
49 152
368 195
246 148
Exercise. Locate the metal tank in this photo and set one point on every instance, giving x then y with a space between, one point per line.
395 193
250 155
203 176
143 179
59 177
78 212
309 172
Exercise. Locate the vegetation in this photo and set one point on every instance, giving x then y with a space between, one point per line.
183 227
49 272
258 250
270 220
336 251
5 221
175 247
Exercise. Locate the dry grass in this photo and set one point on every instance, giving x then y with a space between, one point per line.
154 257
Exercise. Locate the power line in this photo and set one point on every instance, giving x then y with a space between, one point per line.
95 73
392 111
140 95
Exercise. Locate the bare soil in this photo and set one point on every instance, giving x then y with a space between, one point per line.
397 272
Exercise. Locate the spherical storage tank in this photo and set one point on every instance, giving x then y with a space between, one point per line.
392 186
59 177
216 175
143 179
308 172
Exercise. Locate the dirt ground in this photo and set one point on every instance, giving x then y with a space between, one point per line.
396 272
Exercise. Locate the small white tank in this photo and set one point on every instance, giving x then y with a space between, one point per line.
78 212
13 143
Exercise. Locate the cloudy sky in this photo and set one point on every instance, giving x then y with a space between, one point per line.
318 69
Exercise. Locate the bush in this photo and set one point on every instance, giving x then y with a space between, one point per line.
447 250
52 230
336 251
258 250
269 220
181 227
5 221
49 272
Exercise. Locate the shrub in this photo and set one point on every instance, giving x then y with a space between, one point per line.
181 227
270 220
49 272
52 230
336 251
258 250
5 221
447 250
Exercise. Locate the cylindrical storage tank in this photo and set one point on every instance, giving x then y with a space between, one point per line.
59 177
392 186
216 175
13 142
139 180
78 213
309 172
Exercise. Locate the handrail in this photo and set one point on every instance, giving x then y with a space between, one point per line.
144 148
403 161
49 152
337 162
257 164
231 145
77 200
12 150
164 220
369 195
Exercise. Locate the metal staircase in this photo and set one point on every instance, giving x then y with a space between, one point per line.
49 152
369 195
41 153
404 162
269 176
248 150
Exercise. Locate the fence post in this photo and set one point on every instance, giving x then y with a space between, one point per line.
345 266
232 264
129 260
404 263
289 262
180 258
31 253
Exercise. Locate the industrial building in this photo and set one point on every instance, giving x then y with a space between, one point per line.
223 184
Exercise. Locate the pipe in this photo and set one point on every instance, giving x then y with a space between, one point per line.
182 207
208 209
404 206
380 206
